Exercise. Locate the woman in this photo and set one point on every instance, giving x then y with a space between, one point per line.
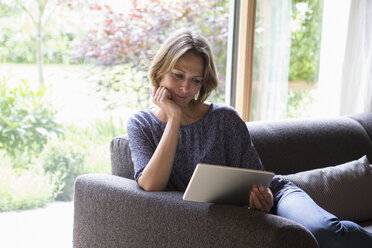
169 140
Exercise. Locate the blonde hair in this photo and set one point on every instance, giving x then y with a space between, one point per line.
179 43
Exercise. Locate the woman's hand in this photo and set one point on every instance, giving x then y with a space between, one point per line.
261 199
162 98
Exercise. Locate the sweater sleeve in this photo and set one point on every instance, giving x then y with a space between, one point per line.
141 144
240 143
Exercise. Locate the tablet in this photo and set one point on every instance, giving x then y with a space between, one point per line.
223 184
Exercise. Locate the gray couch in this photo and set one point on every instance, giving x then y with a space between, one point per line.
112 211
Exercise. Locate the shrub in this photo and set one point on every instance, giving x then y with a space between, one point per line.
26 121
63 161
23 190
95 141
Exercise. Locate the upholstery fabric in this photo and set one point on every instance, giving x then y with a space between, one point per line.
112 211
121 162
290 146
365 120
342 190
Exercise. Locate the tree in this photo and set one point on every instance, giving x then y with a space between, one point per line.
306 40
132 37
39 11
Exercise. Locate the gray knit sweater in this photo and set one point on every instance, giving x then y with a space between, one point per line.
220 137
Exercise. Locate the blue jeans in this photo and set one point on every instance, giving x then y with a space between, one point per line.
293 203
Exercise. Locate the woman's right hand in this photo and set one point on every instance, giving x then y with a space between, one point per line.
162 98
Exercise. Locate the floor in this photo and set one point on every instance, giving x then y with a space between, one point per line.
48 227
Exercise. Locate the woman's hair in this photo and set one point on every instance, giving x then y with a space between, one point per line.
179 43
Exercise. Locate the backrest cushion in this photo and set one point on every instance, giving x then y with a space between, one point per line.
344 190
291 146
121 161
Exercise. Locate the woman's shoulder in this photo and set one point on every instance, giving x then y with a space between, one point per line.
226 116
222 110
143 118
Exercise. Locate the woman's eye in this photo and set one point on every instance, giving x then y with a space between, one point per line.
197 81
179 76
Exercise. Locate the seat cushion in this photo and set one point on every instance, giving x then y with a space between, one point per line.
344 190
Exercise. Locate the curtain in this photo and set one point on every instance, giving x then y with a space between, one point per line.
271 60
356 83
334 30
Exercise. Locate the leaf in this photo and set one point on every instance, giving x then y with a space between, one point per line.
42 131
22 132
7 122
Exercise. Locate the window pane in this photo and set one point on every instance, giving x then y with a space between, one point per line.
95 58
286 59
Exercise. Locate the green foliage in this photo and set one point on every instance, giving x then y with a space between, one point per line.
63 161
306 40
122 85
26 121
82 150
94 140
99 132
18 35
24 190
298 101
7 9
105 130
131 40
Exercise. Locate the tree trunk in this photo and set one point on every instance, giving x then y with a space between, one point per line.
39 51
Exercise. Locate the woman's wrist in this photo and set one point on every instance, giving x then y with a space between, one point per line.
174 118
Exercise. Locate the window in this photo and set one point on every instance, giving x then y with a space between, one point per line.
59 110
285 67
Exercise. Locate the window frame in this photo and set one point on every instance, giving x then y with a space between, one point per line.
240 56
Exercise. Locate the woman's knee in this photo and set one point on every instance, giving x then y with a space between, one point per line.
335 233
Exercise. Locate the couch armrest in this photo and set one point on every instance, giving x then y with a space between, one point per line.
112 211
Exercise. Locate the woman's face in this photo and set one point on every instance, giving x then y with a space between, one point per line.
185 79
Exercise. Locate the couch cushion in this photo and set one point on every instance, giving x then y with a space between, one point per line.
292 146
344 190
121 161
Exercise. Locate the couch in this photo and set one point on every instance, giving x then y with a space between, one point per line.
320 155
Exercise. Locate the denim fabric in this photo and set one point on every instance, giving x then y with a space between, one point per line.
293 203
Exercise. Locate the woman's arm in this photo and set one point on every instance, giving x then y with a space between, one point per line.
260 198
156 174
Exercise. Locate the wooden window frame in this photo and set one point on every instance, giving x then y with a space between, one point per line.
244 72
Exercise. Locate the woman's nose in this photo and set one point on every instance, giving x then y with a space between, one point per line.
185 86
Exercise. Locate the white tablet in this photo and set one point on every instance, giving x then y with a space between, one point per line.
223 184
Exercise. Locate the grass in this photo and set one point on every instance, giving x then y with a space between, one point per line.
24 190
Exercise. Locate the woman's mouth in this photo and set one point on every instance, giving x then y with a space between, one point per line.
181 98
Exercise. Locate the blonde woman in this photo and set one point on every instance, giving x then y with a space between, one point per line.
182 130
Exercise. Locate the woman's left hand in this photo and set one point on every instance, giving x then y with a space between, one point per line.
261 199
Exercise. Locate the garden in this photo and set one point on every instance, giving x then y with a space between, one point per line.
72 72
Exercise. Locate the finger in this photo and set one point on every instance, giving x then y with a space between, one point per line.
267 196
256 200
251 202
159 94
264 199
155 93
164 94
155 90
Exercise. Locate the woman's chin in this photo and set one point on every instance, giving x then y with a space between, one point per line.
183 103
